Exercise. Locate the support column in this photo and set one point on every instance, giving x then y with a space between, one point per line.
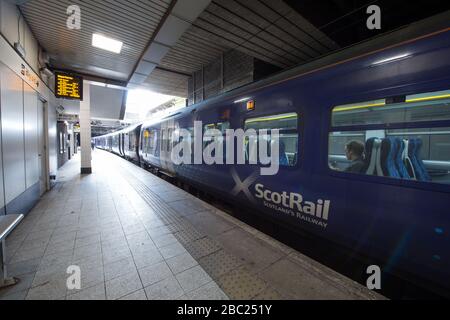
85 130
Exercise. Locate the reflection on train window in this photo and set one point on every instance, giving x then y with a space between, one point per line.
417 149
287 124
221 126
403 109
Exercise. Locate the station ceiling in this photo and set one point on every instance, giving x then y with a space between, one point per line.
165 41
188 34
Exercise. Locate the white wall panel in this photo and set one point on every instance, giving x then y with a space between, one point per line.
2 194
12 134
52 139
41 147
31 136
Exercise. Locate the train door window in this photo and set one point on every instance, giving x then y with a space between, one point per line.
151 145
287 124
402 137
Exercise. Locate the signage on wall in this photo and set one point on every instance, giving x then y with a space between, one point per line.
68 117
29 75
68 86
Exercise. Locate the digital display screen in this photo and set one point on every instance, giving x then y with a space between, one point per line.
68 86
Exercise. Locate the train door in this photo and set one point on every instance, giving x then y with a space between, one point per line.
42 148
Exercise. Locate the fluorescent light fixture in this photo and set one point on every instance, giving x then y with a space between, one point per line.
106 43
242 100
392 59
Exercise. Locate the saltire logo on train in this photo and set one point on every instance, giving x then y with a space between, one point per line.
288 203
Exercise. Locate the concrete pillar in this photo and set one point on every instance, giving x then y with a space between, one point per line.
85 130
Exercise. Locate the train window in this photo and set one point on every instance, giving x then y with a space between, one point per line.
132 141
413 108
145 141
221 126
286 121
151 142
414 150
287 124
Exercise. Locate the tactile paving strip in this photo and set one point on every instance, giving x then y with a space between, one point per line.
202 247
269 294
225 268
240 284
219 263
178 226
188 235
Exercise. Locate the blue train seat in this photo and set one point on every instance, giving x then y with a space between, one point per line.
372 159
420 171
401 168
407 160
424 171
389 149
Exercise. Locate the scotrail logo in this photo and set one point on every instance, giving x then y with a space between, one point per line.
252 147
293 204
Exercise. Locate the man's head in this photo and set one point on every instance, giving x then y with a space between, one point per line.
354 150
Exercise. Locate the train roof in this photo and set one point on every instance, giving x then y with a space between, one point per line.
402 36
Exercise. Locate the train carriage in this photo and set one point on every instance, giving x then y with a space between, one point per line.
394 102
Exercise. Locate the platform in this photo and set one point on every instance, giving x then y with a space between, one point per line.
136 236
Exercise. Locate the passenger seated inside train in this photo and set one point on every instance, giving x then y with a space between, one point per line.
406 138
354 151
284 161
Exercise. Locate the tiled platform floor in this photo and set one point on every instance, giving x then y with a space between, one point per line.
135 236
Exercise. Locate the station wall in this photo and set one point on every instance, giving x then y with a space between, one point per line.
20 145
233 69
27 118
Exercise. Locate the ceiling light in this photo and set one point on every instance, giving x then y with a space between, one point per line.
392 59
242 100
106 43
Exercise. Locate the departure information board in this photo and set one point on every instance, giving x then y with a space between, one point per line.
68 86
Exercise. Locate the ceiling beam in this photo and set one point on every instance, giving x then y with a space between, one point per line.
178 18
